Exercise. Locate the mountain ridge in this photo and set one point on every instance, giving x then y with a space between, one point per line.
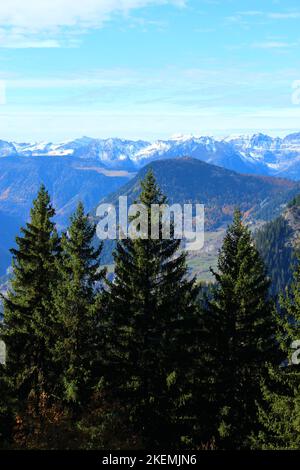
257 153
185 179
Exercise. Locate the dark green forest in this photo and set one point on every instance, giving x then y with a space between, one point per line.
277 253
278 242
151 359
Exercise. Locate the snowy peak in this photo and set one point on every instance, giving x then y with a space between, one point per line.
41 149
7 149
258 153
295 138
254 142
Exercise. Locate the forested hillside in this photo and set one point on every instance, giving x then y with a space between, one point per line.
278 242
135 363
187 180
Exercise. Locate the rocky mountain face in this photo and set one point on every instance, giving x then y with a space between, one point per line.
90 169
257 154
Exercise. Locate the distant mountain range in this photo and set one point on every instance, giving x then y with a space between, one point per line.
258 153
90 170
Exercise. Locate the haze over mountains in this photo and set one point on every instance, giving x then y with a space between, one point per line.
258 153
68 181
90 169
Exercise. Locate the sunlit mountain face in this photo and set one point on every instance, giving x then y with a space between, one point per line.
257 153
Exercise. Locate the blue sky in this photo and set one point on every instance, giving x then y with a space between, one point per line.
148 68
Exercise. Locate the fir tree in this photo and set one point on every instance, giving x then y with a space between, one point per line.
280 414
27 328
242 335
151 326
74 300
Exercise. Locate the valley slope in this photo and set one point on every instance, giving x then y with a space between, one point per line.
90 169
278 241
187 180
69 180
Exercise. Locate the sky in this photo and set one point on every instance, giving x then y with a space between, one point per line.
148 69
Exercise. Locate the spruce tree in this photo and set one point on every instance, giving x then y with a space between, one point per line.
6 419
280 413
74 303
151 329
242 336
27 327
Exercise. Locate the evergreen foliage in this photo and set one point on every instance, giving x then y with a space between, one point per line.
152 325
242 333
6 419
273 244
28 328
74 298
280 414
148 360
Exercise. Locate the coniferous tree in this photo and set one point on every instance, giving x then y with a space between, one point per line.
74 304
27 328
272 242
6 421
151 329
242 335
280 414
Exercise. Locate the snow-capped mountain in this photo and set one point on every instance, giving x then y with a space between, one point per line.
207 149
114 153
7 149
280 157
258 153
89 169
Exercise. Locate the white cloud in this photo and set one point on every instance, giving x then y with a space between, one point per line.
213 121
250 13
275 45
285 16
248 17
25 43
25 21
